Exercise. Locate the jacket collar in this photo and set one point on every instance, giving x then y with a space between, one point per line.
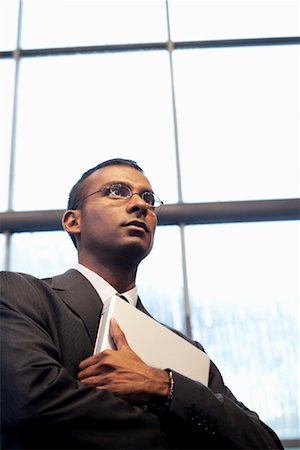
80 296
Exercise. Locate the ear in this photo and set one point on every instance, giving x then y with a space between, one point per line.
71 221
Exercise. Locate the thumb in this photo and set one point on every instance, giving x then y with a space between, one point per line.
117 334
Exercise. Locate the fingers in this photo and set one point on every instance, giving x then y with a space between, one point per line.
117 334
88 367
96 381
94 365
119 340
90 361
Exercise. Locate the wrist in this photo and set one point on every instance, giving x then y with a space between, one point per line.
160 405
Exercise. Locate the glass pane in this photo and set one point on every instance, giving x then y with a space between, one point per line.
2 251
89 22
9 10
160 279
77 111
238 119
42 254
46 254
6 111
233 19
244 292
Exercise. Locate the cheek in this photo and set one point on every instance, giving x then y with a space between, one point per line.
91 223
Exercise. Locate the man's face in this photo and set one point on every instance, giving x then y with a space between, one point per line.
113 229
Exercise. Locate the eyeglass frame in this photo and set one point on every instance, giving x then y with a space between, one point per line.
108 188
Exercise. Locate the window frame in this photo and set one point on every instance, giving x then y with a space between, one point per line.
180 214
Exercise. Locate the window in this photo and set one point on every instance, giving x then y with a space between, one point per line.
243 305
232 19
204 95
238 131
6 113
100 22
99 117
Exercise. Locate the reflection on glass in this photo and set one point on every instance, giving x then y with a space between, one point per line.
6 110
77 111
8 24
42 254
160 280
244 293
238 120
228 19
91 22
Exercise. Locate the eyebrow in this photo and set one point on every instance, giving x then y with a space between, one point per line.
125 183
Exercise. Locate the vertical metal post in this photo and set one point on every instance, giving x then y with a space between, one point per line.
6 262
186 297
170 47
16 56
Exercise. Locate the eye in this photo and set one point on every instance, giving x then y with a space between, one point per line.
149 198
120 190
106 191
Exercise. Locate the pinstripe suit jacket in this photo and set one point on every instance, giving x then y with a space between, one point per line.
48 327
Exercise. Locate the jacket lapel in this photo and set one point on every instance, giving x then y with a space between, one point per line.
80 296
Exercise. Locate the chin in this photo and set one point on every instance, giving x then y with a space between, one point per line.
136 252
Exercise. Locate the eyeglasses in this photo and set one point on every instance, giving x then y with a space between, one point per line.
123 192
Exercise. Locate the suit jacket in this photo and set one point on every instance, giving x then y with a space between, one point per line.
48 327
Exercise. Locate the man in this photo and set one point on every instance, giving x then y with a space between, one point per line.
56 395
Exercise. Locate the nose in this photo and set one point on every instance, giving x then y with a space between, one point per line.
137 205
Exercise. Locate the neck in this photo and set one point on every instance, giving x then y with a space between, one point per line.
121 278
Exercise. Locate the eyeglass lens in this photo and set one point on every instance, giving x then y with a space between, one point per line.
123 191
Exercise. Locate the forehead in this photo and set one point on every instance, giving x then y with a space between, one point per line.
118 174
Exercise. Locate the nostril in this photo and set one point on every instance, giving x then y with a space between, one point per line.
140 208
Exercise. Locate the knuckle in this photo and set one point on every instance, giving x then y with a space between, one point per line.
106 353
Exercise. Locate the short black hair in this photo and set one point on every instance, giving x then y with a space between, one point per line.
77 192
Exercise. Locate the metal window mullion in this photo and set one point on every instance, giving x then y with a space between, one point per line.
170 48
173 214
16 57
181 45
186 297
7 253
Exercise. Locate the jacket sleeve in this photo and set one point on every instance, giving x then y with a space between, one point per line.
43 405
213 418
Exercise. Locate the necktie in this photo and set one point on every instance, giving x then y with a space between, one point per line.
122 297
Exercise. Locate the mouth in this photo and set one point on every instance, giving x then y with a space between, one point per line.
138 224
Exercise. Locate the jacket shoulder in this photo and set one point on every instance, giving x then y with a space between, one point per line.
22 291
16 277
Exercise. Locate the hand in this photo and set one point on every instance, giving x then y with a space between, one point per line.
123 373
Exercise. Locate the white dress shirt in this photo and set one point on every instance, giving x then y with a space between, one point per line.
103 288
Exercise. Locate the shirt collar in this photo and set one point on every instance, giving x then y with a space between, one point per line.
103 288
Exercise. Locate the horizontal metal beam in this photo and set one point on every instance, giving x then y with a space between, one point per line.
182 213
224 212
250 42
183 45
291 443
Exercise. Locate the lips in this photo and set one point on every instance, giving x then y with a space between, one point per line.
139 224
